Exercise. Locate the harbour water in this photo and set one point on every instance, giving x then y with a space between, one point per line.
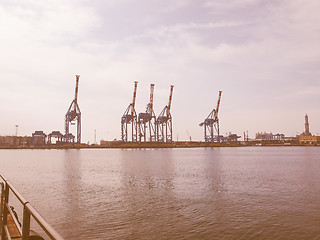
201 193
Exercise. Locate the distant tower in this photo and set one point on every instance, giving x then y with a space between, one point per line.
307 132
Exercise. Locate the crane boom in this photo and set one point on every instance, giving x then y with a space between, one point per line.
76 96
151 99
134 97
170 100
217 108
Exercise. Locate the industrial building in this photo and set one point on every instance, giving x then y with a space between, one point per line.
309 139
264 136
14 141
39 138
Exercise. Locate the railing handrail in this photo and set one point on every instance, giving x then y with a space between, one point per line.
28 210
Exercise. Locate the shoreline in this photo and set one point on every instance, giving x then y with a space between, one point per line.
159 145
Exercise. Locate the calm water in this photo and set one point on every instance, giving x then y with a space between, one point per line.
220 193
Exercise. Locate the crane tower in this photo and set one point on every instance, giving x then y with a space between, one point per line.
73 115
147 120
164 122
130 117
211 124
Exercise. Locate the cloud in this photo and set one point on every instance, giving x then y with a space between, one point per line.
231 4
264 56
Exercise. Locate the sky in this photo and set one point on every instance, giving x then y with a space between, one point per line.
263 55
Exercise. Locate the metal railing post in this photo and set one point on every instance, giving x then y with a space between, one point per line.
26 223
1 206
28 213
5 210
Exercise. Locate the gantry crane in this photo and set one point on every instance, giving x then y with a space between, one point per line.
73 114
147 119
130 117
164 122
211 123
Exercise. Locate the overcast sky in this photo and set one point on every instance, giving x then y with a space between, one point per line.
263 55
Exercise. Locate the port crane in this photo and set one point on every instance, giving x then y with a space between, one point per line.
146 120
164 122
211 123
130 117
73 115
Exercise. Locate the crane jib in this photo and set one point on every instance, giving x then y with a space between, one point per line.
76 96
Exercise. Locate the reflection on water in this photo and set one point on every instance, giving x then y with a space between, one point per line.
72 192
148 197
213 193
